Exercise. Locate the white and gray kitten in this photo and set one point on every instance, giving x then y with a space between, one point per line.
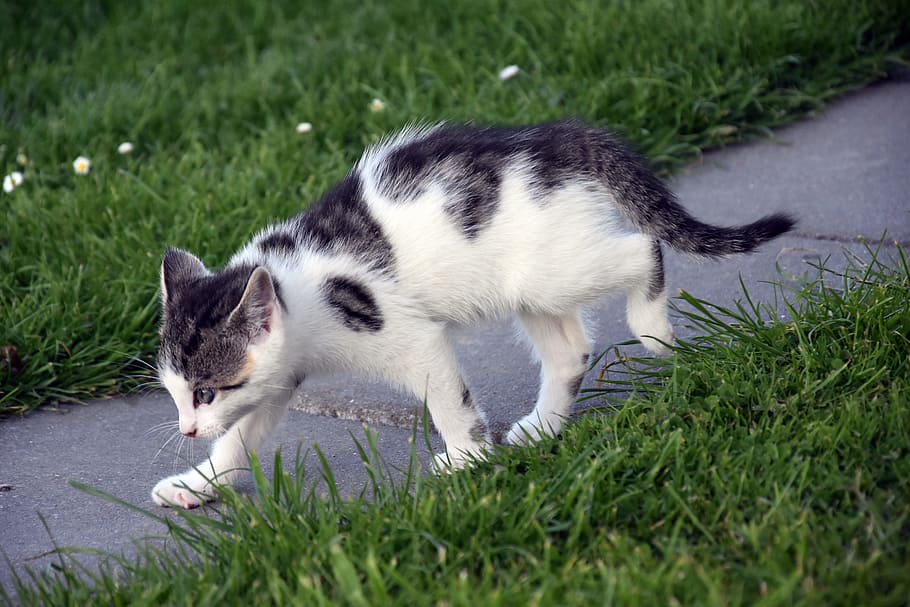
434 227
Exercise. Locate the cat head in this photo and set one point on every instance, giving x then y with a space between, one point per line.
221 333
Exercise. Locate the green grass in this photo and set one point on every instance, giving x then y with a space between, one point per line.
210 92
769 464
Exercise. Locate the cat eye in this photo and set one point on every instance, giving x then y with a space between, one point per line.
203 396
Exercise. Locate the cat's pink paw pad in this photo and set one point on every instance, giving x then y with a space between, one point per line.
187 500
173 491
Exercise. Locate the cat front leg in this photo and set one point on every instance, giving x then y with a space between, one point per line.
431 372
227 461
460 450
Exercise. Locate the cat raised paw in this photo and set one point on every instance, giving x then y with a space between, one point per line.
182 490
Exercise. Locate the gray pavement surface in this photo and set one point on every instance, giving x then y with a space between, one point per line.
845 173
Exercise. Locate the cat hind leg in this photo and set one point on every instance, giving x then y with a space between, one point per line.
563 349
646 307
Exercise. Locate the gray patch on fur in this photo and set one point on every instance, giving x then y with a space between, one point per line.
575 385
341 222
466 401
195 339
468 175
656 282
468 162
478 431
278 242
353 304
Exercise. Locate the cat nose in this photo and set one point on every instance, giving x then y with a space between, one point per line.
191 432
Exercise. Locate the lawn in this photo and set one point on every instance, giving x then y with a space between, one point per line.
209 94
768 464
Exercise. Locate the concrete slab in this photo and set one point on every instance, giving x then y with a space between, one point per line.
114 446
845 172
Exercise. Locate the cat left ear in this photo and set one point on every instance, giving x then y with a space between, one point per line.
256 309
178 266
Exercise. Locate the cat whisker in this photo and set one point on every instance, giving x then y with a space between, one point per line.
133 359
146 388
160 427
180 444
274 386
143 375
149 383
146 383
146 369
145 364
164 446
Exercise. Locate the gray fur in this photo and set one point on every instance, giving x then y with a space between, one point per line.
353 304
657 283
341 223
195 336
466 400
575 384
468 162
478 431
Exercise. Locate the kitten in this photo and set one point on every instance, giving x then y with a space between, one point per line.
434 227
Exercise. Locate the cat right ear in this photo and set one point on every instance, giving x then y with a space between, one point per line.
178 266
255 312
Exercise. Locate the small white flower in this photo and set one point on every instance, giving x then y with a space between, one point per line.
508 72
12 181
377 105
304 127
82 165
125 148
22 159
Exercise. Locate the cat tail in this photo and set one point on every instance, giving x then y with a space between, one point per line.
686 234
653 208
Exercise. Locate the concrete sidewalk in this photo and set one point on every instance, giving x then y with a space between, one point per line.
845 173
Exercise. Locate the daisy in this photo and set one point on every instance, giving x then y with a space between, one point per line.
508 72
125 148
304 127
82 165
377 105
12 181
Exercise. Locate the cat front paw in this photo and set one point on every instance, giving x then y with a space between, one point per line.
456 459
531 428
187 491
659 346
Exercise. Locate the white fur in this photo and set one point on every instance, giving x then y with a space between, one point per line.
539 260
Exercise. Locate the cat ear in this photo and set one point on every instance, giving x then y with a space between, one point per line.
257 305
177 267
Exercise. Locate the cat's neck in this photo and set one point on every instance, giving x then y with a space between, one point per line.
312 343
